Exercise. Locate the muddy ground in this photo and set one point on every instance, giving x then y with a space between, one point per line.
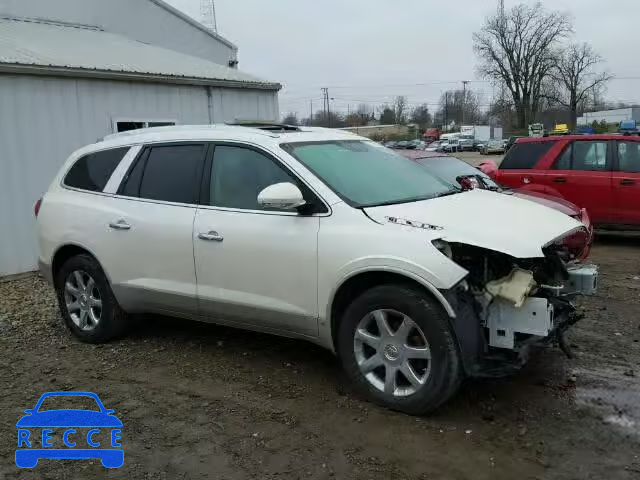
201 401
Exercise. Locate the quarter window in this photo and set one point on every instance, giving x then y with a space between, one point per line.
525 155
93 171
168 173
240 174
629 157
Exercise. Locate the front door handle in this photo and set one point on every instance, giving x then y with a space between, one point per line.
560 180
627 181
120 225
211 237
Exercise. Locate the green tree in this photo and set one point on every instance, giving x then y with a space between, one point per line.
421 116
290 119
387 115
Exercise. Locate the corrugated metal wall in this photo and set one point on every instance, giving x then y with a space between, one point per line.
44 119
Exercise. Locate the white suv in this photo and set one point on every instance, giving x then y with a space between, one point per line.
315 234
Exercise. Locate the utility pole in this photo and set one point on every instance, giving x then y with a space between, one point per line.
326 106
311 112
446 110
464 98
325 100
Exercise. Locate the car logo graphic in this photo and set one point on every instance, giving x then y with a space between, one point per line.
36 437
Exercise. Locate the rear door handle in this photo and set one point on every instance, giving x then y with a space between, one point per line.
211 237
560 180
627 181
120 225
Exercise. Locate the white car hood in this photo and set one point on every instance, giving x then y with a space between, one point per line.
482 218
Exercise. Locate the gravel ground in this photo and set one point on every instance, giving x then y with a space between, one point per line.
201 401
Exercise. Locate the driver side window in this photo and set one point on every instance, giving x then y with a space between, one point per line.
239 174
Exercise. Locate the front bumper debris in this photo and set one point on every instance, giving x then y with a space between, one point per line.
547 315
583 280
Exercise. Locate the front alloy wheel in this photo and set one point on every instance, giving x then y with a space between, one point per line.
392 352
398 348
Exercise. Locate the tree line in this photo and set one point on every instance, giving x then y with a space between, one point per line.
528 54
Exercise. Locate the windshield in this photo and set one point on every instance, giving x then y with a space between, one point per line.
365 174
450 168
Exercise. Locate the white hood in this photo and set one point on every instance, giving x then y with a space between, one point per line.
482 218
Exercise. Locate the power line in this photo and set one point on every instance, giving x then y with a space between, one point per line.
388 85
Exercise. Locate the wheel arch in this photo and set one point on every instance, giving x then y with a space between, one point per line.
361 280
70 250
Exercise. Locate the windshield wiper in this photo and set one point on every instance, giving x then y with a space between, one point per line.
447 193
396 202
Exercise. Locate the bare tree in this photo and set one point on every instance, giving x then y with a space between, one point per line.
456 105
400 109
517 49
576 74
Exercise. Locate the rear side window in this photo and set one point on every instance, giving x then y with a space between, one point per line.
168 173
93 171
583 155
590 156
525 155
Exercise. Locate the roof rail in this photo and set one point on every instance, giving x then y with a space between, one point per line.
267 126
177 128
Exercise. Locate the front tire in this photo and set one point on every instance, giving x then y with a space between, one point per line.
87 304
398 349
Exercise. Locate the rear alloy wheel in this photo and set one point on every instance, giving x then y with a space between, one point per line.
87 304
83 300
398 349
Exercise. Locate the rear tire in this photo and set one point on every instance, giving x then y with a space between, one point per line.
428 383
87 304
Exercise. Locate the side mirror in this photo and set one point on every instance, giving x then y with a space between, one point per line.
29 411
281 196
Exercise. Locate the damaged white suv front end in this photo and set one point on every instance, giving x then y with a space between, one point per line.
521 272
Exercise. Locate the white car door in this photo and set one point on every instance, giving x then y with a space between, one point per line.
148 231
255 268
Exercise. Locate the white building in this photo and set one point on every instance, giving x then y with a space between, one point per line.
73 71
611 116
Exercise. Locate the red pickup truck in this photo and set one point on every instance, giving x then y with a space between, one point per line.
598 172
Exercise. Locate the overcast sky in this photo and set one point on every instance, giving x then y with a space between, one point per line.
368 51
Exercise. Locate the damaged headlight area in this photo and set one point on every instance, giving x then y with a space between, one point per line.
517 303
